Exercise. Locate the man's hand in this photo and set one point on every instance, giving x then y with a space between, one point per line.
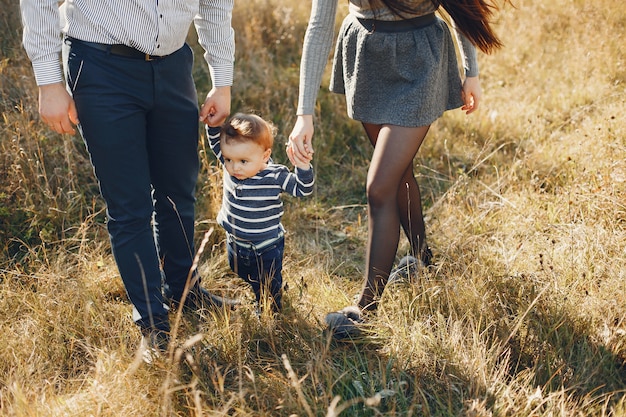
216 107
57 108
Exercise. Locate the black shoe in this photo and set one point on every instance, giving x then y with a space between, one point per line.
153 344
199 298
407 267
346 323
427 256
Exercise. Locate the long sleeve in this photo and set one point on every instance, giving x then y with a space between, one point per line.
318 41
42 39
217 37
213 134
159 28
468 54
300 183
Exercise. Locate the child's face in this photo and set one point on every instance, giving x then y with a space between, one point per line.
244 159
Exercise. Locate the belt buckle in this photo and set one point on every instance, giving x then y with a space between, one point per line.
148 57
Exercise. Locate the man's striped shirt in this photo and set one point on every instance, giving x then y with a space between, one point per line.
157 27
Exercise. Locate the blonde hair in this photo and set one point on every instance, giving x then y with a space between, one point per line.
244 127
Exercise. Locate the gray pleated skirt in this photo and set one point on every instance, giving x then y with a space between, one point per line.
404 78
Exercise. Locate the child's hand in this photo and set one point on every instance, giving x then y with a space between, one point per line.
296 159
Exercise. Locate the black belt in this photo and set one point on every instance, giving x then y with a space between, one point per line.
392 26
116 49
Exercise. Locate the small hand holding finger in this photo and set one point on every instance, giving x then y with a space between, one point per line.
290 153
301 163
301 137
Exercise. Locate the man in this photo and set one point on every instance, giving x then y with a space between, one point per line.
128 78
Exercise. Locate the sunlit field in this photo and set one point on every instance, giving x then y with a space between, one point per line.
523 313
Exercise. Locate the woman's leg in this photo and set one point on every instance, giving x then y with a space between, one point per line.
409 205
392 199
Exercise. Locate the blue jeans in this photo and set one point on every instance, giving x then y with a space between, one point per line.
261 268
139 122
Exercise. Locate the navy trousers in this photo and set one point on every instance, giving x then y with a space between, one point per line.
139 121
261 268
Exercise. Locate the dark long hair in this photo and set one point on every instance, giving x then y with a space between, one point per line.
472 17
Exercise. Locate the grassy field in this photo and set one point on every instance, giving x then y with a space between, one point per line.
524 313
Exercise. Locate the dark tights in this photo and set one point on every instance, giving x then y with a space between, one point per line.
393 200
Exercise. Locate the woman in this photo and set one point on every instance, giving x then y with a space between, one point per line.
395 62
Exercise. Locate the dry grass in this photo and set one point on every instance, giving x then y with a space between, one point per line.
523 315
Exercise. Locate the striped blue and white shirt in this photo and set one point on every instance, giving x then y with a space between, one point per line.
157 27
252 208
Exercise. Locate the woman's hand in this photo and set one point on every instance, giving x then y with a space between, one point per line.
471 94
301 138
